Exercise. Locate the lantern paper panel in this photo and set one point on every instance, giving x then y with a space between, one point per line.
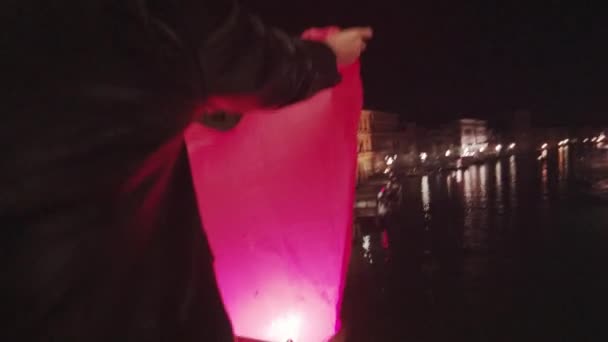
276 198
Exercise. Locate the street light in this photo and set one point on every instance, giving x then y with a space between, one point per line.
448 153
544 146
423 156
498 148
512 146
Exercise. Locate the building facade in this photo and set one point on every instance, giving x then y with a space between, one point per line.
462 137
381 134
473 135
521 131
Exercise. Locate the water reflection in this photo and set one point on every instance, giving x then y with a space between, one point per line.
513 181
426 201
544 180
463 241
468 192
475 206
426 194
483 188
563 167
560 163
366 245
499 189
467 203
450 179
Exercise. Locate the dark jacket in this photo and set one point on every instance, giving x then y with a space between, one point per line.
101 236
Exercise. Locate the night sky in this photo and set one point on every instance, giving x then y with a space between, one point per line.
436 60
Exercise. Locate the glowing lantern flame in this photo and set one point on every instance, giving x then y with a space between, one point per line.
285 328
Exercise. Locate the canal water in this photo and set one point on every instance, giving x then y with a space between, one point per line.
509 250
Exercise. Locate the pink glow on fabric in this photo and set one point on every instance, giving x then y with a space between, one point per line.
276 199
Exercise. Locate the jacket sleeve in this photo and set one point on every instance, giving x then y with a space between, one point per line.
239 55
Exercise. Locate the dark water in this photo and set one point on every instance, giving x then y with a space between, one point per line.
505 251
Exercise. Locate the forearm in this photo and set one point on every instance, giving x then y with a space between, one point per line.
244 56
239 55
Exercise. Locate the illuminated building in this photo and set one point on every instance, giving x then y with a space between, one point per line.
380 135
472 135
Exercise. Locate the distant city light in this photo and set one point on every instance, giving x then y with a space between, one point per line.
381 192
586 140
511 146
448 153
366 242
468 152
544 146
423 156
390 159
601 137
594 139
498 148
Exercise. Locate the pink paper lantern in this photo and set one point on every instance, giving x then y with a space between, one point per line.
276 198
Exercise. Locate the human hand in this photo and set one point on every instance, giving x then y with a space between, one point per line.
348 44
